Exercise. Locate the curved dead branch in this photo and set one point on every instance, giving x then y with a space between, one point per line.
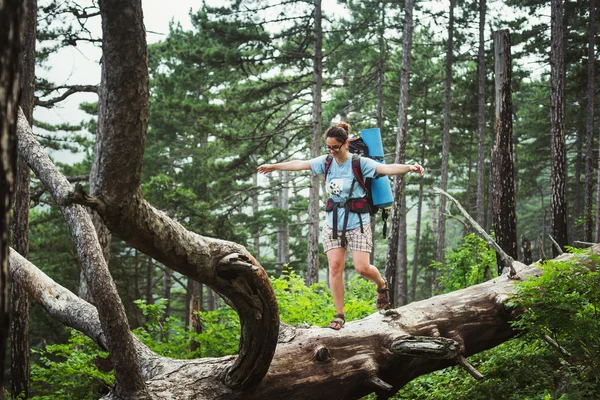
110 308
62 304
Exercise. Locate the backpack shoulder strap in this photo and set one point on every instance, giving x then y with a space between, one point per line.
328 161
358 171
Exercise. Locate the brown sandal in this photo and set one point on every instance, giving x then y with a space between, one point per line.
383 303
338 322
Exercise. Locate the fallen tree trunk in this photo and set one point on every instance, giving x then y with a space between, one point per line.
380 353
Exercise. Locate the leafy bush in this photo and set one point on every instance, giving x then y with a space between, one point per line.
564 305
169 338
313 305
466 265
519 369
69 371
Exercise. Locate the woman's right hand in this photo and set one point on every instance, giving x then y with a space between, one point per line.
266 168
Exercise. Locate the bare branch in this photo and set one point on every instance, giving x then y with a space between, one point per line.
59 302
507 259
71 90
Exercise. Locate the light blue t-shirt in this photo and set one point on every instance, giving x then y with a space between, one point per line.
339 180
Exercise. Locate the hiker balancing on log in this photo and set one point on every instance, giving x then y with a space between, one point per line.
347 211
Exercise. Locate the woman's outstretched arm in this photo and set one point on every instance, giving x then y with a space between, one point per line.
294 165
399 169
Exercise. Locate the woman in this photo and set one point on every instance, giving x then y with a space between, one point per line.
357 238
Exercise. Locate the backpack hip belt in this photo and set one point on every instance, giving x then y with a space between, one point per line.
357 205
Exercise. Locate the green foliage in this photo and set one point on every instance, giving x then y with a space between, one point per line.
313 305
68 371
564 304
467 265
508 375
220 333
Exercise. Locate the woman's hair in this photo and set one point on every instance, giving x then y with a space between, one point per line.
339 132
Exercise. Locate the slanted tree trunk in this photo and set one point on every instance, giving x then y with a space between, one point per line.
312 271
559 158
397 238
503 184
19 342
481 147
441 230
12 17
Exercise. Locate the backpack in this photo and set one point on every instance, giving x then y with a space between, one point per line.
358 148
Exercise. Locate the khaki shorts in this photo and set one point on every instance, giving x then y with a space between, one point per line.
357 240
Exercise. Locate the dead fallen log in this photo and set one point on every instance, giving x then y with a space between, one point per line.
380 353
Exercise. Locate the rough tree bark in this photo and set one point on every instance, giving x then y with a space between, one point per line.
441 230
312 270
481 115
557 126
283 232
379 106
397 239
12 16
19 342
413 283
503 182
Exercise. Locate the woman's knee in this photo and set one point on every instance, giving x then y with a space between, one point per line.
363 269
336 268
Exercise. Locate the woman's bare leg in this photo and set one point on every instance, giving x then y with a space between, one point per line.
336 259
363 266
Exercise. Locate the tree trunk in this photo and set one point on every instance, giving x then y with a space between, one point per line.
591 91
12 19
166 294
526 245
137 276
441 231
312 271
559 175
379 113
283 233
149 281
402 273
577 181
256 244
503 184
194 306
398 216
20 224
414 277
481 147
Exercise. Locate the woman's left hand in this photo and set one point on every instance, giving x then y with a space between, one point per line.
417 169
